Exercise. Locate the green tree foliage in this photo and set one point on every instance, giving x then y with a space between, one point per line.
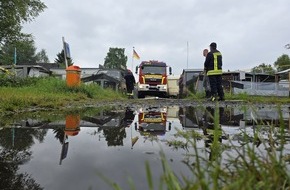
264 68
13 13
41 57
61 61
282 63
25 51
116 59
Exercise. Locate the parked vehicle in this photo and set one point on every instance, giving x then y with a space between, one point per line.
173 86
152 79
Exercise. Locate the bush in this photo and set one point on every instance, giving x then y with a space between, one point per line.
12 81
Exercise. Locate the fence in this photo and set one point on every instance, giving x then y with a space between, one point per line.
263 88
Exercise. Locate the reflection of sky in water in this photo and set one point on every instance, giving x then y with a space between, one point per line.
89 153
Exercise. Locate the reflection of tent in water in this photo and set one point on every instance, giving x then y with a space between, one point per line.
113 125
192 117
105 118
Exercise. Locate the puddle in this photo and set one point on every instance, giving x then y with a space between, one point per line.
72 150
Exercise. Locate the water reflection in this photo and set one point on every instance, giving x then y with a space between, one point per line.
15 150
151 123
108 131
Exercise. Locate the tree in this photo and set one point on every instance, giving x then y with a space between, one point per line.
41 57
13 13
282 63
264 68
116 59
25 51
61 61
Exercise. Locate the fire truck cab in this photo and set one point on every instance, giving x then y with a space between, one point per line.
152 79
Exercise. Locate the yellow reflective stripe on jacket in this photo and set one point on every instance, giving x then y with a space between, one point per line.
216 71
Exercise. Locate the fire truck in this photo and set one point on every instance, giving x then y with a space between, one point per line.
152 121
152 79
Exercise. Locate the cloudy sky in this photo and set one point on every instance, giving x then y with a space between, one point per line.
247 32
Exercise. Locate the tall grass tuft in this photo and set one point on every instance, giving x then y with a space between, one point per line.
260 163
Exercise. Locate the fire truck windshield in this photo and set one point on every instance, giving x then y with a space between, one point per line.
149 69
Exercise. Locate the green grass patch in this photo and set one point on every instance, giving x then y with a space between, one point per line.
50 93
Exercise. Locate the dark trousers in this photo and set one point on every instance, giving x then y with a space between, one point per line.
216 85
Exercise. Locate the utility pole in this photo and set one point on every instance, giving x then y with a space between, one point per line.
187 54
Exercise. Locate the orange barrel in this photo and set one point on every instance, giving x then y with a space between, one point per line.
72 125
73 76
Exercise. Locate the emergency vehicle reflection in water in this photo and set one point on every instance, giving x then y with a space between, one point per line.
152 123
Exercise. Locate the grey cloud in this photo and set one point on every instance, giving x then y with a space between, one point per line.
248 32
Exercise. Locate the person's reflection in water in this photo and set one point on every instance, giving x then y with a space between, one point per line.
212 131
129 117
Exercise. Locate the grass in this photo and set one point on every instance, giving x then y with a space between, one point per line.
49 93
234 167
246 98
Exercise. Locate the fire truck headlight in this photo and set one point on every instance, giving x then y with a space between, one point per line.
163 87
142 86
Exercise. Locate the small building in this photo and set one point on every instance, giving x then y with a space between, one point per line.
252 83
23 71
108 78
242 79
188 81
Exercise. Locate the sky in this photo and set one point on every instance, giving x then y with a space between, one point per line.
248 32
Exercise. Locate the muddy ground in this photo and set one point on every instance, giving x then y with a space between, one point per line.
152 102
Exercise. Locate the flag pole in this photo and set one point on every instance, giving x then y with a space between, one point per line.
64 52
132 60
187 55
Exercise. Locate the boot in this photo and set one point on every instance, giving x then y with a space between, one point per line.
207 94
213 98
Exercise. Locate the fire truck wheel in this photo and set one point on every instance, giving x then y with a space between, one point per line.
140 95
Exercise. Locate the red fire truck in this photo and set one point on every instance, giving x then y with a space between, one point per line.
152 121
152 79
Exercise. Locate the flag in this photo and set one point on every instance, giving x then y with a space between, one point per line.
135 55
67 50
134 140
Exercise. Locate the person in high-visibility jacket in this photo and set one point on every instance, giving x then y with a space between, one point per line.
213 67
